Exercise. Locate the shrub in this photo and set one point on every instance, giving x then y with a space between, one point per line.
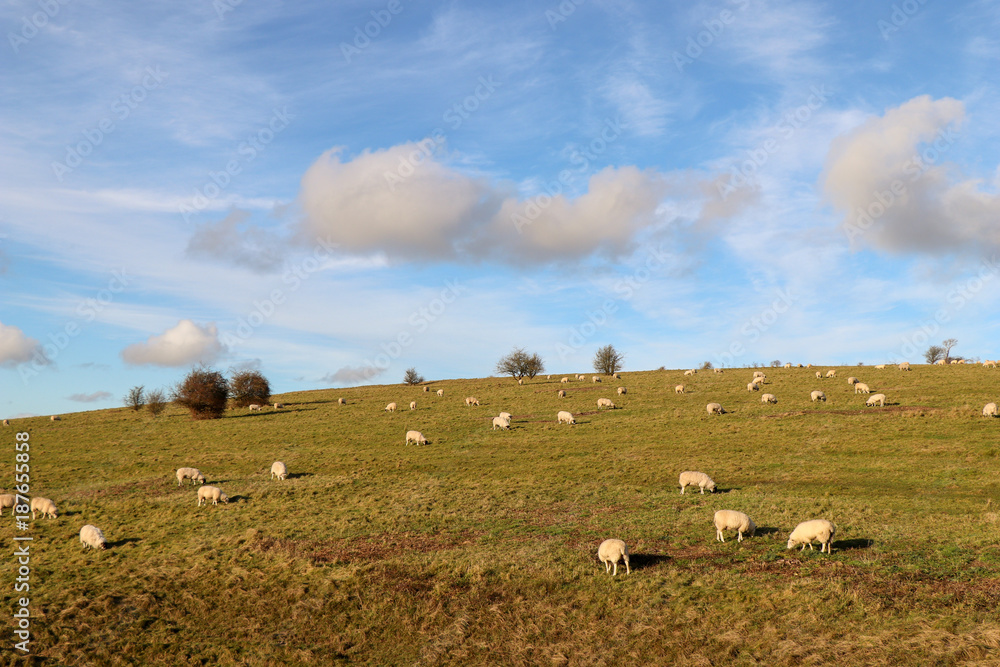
608 360
519 364
135 399
412 376
204 393
249 387
156 402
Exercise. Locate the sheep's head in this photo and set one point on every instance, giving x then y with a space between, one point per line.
224 498
711 487
791 543
752 528
200 479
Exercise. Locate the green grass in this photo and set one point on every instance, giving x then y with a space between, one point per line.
481 547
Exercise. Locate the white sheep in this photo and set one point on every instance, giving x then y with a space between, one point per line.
507 416
905 366
605 403
7 500
254 407
617 376
92 537
43 505
861 388
440 392
501 423
213 493
788 365
809 365
190 473
6 422
768 398
819 375
690 372
413 405
426 389
989 410
759 374
717 370
391 407
880 367
279 470
679 389
622 391
817 529
818 396
733 520
562 393
693 477
986 364
563 417
471 400
715 409
596 378
415 437
611 552
520 381
278 406
54 418
876 398
853 380
831 374
581 377
341 401
753 386
940 362
564 380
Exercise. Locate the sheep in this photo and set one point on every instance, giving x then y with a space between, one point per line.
679 389
440 392
92 537
990 410
213 493
880 367
831 374
717 370
279 470
692 478
788 365
506 415
862 388
733 520
501 423
610 552
471 400
809 365
564 380
563 417
562 393
753 386
596 378
43 505
759 374
413 405
190 473
986 364
581 377
7 500
690 372
520 381
817 529
55 418
715 409
254 407
819 376
278 406
6 422
876 398
426 389
905 366
818 396
416 437
605 403
341 401
768 398
853 380
621 391
391 407
940 362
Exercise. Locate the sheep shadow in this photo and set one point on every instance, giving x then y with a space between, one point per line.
766 530
235 499
122 542
297 475
860 543
641 561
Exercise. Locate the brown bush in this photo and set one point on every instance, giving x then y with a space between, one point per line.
204 392
248 387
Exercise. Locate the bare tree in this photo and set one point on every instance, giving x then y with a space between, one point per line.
933 353
248 387
135 399
706 366
608 360
412 376
947 345
156 402
519 364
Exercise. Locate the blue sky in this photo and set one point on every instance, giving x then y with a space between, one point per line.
335 192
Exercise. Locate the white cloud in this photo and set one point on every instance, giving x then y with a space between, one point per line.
351 375
16 348
233 240
187 343
90 398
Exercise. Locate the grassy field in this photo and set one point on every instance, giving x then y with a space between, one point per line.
480 548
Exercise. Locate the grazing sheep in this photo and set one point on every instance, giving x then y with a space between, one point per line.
880 367
861 388
595 378
506 415
254 407
212 493
581 377
190 473
876 398
905 366
715 409
692 478
617 376
54 418
809 365
391 407
622 391
562 393
733 520
43 505
819 376
940 362
471 400
986 364
817 529
563 417
853 380
413 405
831 374
818 396
92 537
605 403
690 372
501 423
415 437
611 552
278 406
279 470
7 500
990 410
564 380
788 365
341 401
679 389
440 392
426 389
6 422
759 374
768 398
520 381
753 386
717 370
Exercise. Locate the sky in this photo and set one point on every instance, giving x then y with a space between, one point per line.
331 193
